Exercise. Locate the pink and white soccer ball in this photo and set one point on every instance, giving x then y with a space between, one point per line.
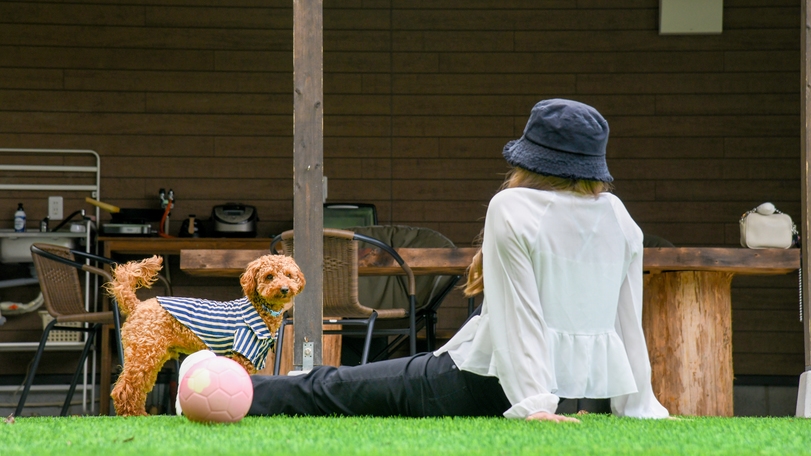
215 390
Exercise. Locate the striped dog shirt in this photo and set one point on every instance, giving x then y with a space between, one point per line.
231 326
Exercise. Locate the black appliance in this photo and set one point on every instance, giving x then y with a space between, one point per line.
234 220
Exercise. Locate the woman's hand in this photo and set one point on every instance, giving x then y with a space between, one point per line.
546 416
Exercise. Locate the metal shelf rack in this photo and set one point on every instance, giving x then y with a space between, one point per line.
63 171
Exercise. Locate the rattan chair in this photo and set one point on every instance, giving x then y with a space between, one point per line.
340 302
58 273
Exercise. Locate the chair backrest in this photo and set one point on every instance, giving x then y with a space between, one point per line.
652 240
344 215
340 273
386 292
59 282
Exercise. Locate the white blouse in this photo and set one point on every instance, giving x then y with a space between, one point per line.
562 311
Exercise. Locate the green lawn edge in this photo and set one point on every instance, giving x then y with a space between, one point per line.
596 434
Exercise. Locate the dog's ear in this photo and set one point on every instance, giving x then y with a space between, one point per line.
248 278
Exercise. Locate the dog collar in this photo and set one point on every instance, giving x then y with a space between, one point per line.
273 313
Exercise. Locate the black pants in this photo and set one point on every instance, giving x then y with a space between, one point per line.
417 386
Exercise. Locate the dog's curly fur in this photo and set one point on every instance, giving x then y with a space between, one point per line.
151 335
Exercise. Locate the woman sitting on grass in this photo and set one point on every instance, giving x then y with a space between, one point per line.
561 271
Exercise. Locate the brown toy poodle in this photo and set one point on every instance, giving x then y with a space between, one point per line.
162 328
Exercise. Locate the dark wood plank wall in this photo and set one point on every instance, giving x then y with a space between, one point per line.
420 97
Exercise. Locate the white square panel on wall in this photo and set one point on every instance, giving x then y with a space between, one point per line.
688 17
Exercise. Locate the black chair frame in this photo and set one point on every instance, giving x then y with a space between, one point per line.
369 323
426 317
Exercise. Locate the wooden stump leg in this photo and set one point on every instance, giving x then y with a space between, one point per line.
687 319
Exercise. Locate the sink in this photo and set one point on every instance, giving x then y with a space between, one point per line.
16 247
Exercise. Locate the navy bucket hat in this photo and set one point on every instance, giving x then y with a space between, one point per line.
563 138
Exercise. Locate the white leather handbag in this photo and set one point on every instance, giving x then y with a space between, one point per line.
764 227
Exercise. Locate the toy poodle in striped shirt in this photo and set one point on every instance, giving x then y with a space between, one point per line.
162 328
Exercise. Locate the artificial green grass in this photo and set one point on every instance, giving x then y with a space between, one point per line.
596 434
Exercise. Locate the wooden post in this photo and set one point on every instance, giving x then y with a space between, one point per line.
805 162
308 170
804 393
687 319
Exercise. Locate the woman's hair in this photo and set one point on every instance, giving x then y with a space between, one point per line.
520 177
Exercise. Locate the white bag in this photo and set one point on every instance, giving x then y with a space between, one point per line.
764 227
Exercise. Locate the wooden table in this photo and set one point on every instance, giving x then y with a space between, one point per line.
687 319
686 300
